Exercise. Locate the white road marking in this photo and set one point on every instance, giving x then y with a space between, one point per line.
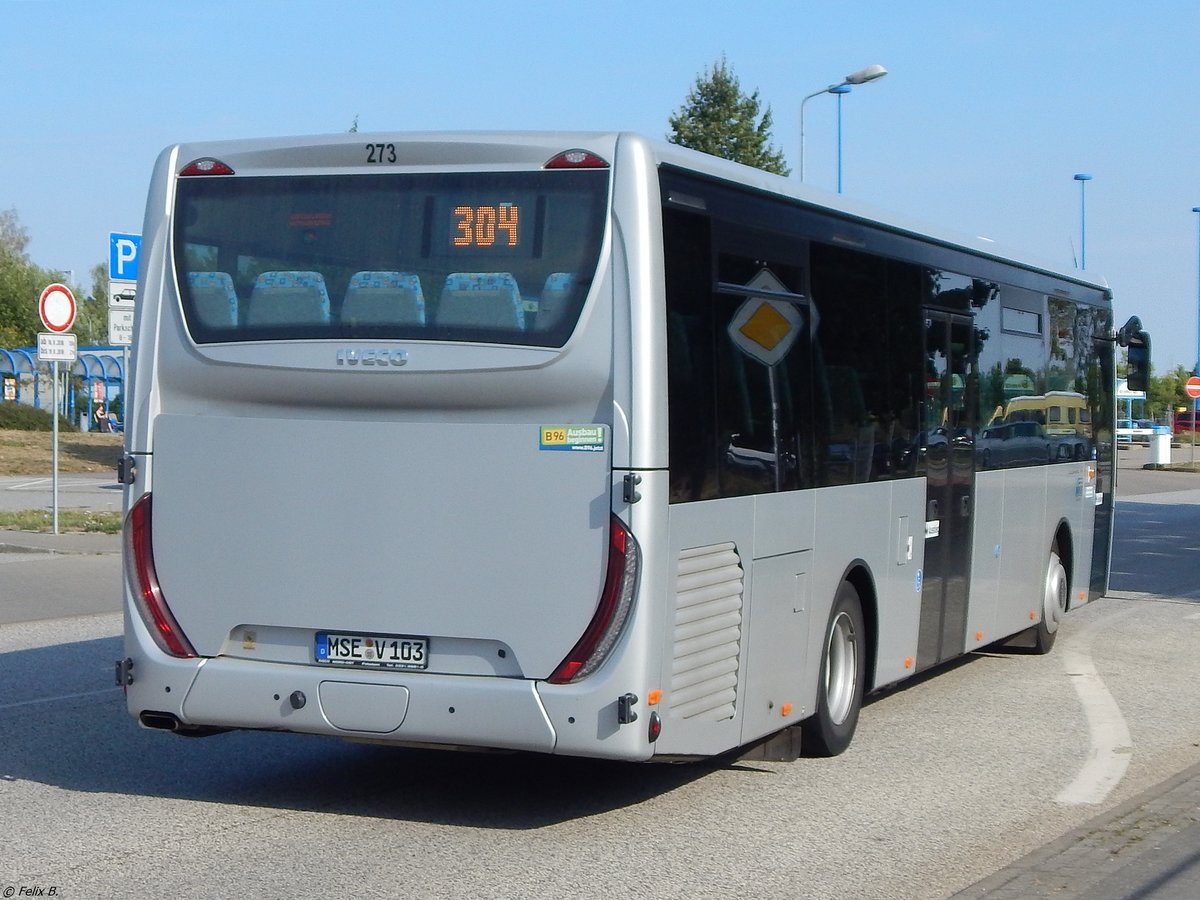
6 706
1111 746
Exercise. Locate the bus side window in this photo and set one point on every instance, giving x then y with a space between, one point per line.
691 396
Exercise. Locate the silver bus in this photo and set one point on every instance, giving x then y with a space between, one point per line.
583 444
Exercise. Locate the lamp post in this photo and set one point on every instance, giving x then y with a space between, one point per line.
1083 179
862 76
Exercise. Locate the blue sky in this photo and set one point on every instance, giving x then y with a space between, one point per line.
987 112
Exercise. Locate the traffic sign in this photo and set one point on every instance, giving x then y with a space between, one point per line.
121 295
123 253
56 307
120 326
765 327
1193 387
54 347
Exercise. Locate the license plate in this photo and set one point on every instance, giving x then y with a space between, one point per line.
378 651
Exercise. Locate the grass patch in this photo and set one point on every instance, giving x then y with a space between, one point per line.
75 520
29 452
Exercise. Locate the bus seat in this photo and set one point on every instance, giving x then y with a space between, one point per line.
288 298
213 298
383 298
481 300
555 295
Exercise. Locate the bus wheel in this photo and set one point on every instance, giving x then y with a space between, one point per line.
1054 602
843 673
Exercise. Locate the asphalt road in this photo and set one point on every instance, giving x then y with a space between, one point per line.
97 492
949 778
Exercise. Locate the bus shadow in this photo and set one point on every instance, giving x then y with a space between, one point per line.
72 732
916 681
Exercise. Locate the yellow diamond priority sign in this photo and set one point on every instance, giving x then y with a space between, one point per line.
766 327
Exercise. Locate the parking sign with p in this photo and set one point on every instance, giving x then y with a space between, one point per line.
123 253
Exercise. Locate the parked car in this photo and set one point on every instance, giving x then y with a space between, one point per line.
1185 421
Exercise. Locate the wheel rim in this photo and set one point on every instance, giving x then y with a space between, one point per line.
841 668
1055 603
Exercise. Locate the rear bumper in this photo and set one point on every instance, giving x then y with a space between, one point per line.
402 708
438 709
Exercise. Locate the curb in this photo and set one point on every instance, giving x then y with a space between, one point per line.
75 543
1137 849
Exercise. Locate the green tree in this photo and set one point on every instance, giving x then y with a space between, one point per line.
12 234
718 118
91 320
1166 393
22 282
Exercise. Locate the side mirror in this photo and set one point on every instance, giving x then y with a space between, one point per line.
1138 342
1139 364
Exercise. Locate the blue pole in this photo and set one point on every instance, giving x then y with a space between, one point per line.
839 143
1083 179
1196 370
839 90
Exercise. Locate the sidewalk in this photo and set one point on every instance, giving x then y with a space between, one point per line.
1149 847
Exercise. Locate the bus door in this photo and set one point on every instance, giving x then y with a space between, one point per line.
949 425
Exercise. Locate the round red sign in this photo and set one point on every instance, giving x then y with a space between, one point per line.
1193 387
57 308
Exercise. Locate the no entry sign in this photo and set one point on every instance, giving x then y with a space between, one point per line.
57 308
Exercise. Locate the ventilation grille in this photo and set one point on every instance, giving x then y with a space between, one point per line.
708 633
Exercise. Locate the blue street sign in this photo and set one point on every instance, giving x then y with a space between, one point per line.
123 252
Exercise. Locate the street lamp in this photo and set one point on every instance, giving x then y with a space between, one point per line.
862 76
1083 179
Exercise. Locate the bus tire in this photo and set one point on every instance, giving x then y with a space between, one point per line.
843 675
1054 602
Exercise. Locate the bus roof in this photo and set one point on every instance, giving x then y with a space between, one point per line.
860 211
529 144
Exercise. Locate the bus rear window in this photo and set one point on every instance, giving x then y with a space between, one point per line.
503 258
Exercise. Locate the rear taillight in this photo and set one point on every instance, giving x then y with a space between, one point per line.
616 600
206 166
143 579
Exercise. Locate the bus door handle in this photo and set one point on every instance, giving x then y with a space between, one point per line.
965 510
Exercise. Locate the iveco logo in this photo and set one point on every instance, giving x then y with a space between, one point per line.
381 357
